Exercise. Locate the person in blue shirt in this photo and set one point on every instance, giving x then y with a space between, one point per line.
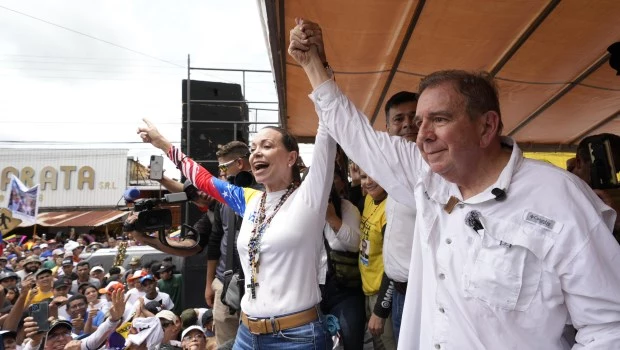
76 307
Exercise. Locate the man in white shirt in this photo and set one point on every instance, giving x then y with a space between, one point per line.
136 289
400 114
505 249
151 293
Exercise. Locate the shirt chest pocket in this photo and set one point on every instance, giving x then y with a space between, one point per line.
505 271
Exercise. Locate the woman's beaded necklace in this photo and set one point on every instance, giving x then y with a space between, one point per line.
260 226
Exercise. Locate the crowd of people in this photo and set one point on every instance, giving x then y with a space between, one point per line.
438 234
51 299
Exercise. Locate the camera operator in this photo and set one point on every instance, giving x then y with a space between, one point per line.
582 166
191 245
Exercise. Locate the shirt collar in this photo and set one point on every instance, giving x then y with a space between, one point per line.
440 190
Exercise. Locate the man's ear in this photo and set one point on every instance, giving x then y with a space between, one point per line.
490 126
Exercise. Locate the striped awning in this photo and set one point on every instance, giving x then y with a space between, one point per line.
88 218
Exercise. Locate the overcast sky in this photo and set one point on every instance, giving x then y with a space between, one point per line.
83 90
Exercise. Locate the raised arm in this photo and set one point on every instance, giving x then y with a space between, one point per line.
95 340
345 232
226 193
318 182
394 163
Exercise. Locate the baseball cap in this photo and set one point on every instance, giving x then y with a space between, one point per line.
134 260
69 246
165 267
191 328
189 317
2 257
58 251
136 275
97 268
111 287
146 278
207 316
43 245
35 246
41 271
154 307
168 315
57 324
67 261
49 264
7 274
62 282
32 259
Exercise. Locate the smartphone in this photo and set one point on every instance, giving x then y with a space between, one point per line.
39 312
157 168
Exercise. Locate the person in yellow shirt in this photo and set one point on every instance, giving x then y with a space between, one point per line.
376 286
43 290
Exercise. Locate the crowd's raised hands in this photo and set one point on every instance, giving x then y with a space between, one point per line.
118 305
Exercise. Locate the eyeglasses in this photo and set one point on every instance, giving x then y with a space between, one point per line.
224 166
194 337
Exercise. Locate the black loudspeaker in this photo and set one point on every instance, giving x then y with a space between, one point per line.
210 126
210 90
206 135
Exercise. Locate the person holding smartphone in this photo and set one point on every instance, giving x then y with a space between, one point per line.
61 332
43 287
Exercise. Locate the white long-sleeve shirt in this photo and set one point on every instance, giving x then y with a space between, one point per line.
291 245
91 342
347 239
398 239
545 252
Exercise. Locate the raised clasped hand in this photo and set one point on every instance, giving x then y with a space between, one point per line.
306 42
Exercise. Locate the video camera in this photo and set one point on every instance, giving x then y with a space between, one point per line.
150 218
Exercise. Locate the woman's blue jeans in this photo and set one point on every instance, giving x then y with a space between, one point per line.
312 335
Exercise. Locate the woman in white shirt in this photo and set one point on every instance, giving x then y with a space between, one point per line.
93 298
281 232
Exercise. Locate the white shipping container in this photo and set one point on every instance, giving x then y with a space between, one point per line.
67 177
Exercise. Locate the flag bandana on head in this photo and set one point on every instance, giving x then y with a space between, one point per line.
23 201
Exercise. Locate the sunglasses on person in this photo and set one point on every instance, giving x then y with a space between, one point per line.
224 166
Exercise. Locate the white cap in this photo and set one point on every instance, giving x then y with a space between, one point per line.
97 268
69 246
149 332
58 251
168 315
43 245
191 328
